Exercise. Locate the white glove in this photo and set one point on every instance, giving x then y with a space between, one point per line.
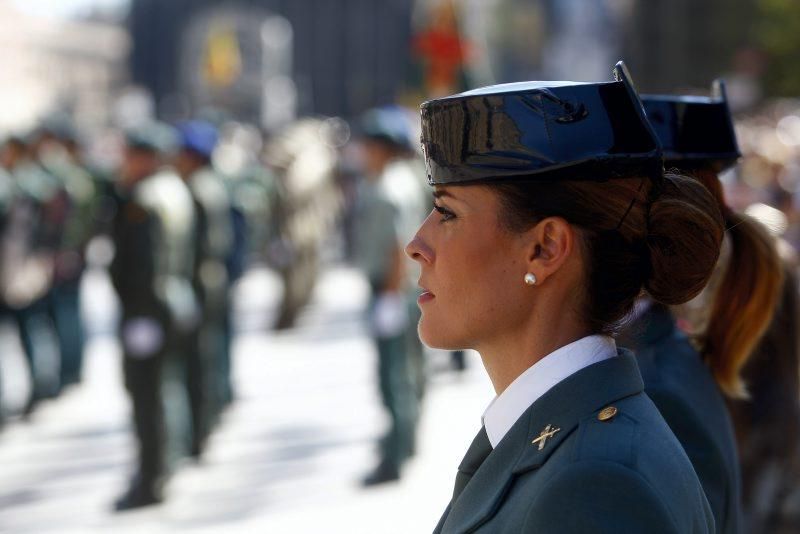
142 337
389 315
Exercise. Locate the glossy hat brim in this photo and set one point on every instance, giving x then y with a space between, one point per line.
694 131
539 130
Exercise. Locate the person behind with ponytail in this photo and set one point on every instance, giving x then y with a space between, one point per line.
551 214
727 322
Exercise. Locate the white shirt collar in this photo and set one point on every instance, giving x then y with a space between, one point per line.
506 408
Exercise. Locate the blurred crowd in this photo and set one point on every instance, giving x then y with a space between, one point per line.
176 213
185 209
768 174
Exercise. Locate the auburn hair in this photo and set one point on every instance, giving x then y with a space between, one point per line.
745 301
637 234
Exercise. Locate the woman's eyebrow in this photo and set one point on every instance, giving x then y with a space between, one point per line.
441 193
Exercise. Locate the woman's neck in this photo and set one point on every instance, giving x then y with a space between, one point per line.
512 354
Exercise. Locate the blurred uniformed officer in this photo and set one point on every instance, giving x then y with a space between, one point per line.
152 268
391 203
6 198
208 354
78 187
31 236
303 202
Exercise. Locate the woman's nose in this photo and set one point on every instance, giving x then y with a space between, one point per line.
418 250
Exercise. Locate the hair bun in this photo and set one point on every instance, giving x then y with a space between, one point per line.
685 231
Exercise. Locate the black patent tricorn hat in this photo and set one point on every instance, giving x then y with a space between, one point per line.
540 130
694 130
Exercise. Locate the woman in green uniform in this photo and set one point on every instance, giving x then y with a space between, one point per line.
551 214
741 324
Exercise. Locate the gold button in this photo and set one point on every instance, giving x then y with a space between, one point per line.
607 413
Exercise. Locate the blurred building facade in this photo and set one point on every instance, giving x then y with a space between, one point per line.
341 56
270 61
51 63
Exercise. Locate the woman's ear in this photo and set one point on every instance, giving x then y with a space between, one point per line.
551 243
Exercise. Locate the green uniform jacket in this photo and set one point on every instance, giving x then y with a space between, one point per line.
152 267
685 393
627 474
78 220
214 237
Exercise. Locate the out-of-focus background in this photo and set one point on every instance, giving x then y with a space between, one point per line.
303 96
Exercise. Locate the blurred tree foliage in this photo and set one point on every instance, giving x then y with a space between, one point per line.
777 33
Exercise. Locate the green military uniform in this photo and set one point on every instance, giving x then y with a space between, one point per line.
69 260
56 145
390 205
686 395
151 271
599 461
33 232
381 216
698 138
406 188
6 198
209 356
592 454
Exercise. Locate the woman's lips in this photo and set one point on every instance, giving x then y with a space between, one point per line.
426 296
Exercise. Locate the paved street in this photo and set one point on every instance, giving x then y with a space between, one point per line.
289 454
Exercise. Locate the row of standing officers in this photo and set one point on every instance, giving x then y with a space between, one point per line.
47 212
181 232
178 239
172 234
178 246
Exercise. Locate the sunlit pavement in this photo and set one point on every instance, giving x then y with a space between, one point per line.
288 456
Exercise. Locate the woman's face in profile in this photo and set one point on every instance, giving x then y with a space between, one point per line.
471 270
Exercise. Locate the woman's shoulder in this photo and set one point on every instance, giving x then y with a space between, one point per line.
600 495
636 436
625 471
591 455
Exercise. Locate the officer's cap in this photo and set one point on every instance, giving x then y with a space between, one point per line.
198 136
694 130
152 136
61 126
388 124
539 130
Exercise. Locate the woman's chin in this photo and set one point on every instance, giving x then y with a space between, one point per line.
437 337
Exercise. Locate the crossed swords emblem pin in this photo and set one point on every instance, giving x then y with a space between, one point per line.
548 432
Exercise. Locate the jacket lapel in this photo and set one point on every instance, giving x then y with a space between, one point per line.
562 407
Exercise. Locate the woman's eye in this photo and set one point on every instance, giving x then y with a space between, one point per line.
445 213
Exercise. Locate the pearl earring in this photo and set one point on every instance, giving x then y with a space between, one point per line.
530 279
